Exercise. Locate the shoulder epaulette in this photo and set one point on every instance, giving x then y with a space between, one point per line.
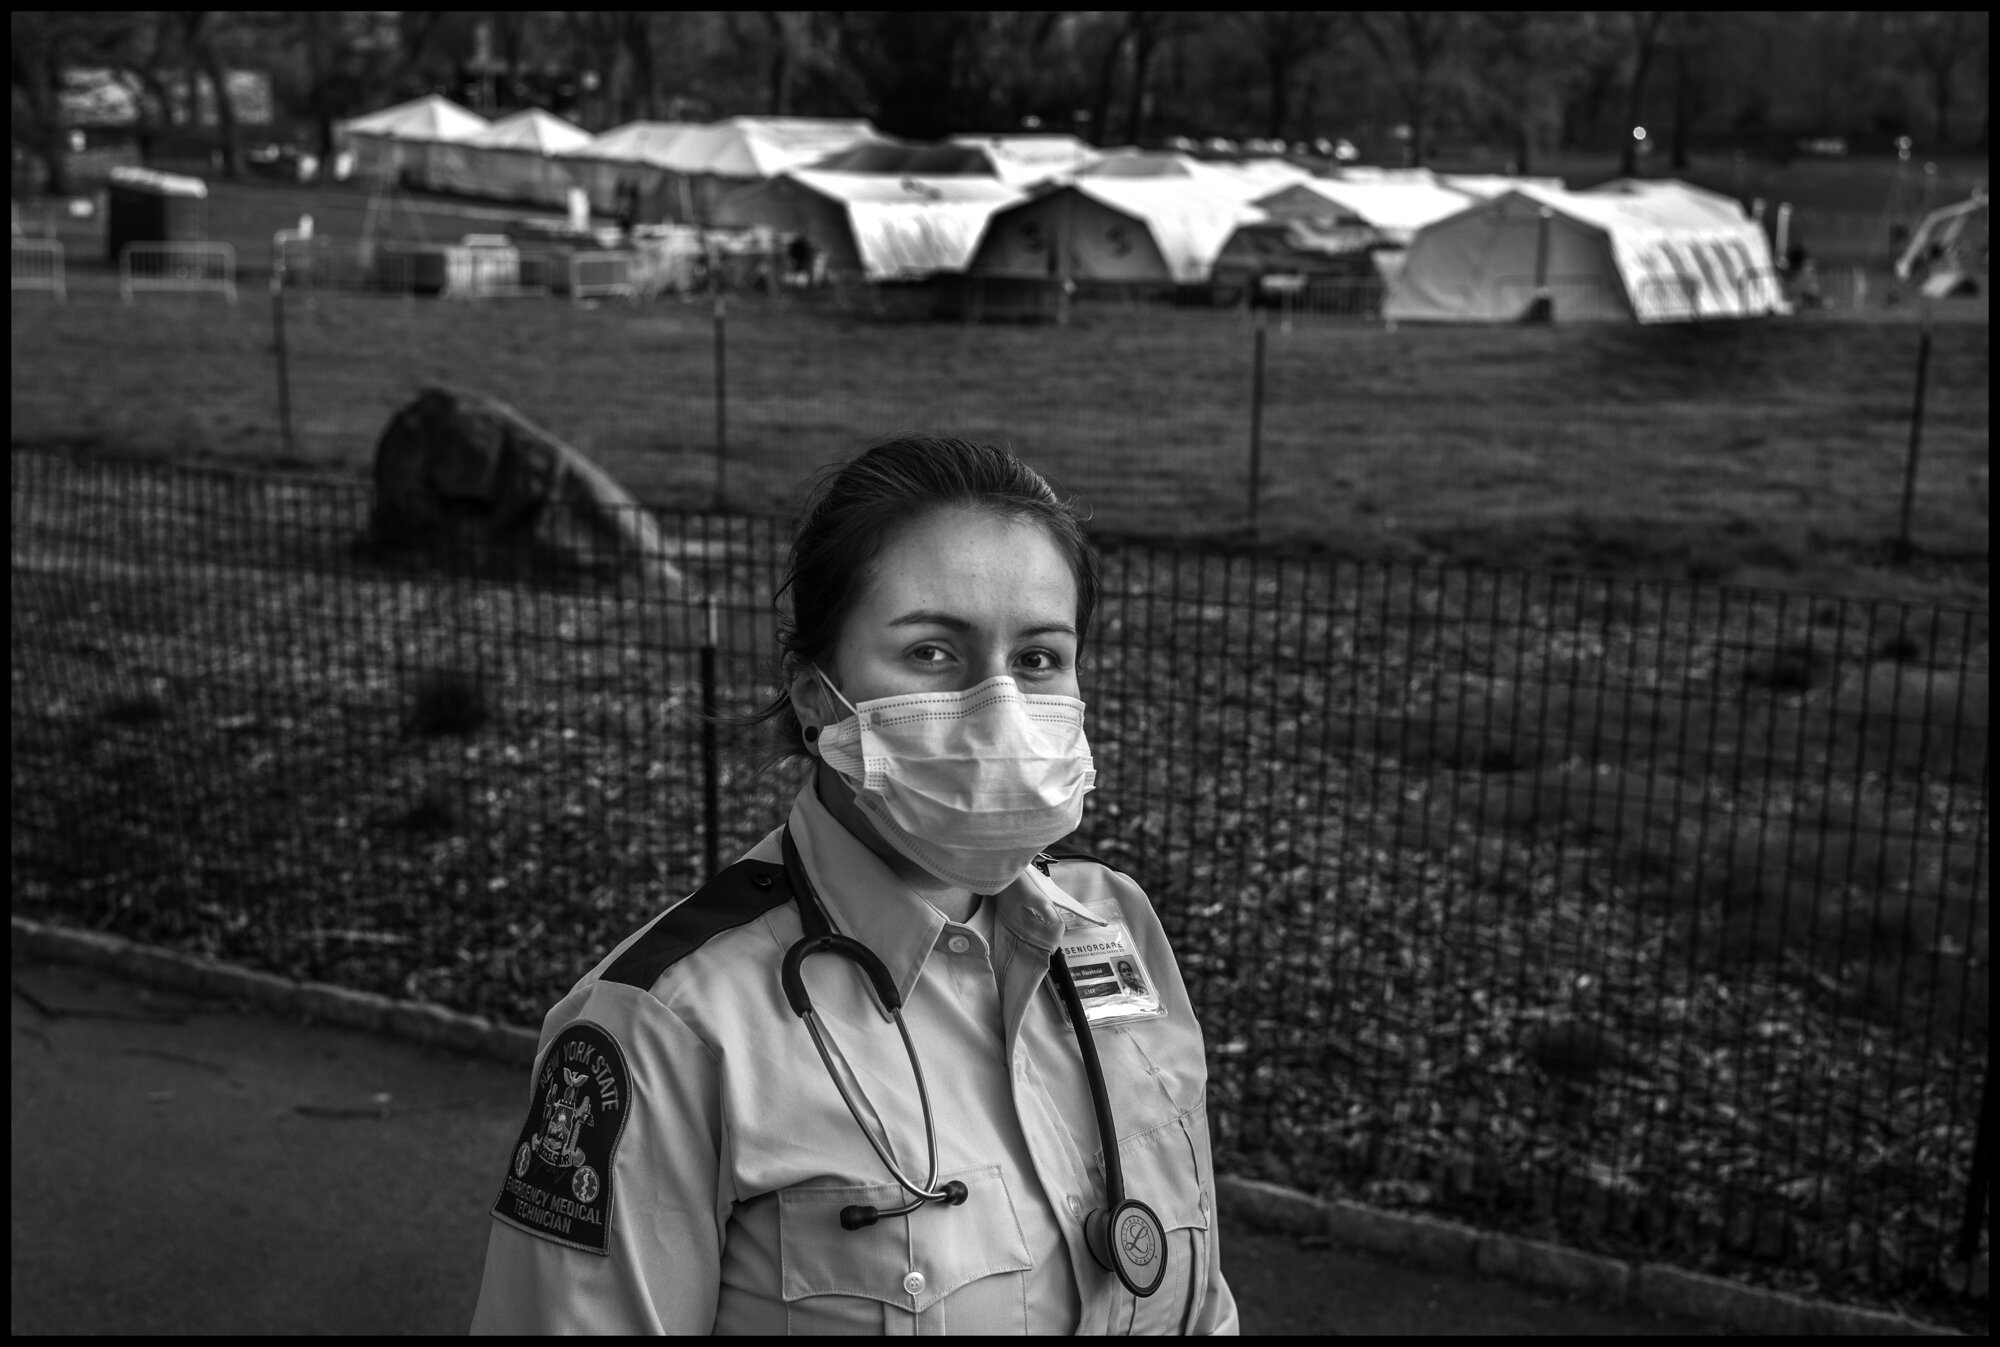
736 897
1068 851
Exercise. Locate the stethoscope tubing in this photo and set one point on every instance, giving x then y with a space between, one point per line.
1093 1070
929 1192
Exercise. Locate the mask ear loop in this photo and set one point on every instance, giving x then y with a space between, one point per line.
827 683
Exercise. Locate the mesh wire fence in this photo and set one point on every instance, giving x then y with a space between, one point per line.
1645 916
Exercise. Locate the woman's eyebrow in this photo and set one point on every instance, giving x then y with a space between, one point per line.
928 617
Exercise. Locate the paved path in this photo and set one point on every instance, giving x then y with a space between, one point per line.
185 1167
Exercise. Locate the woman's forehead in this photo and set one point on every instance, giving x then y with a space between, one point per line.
971 564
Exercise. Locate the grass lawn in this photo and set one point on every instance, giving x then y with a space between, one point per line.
1768 451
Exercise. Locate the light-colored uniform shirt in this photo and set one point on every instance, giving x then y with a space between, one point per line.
731 1153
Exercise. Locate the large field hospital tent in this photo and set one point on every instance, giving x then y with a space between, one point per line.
625 165
399 139
1653 253
514 159
1948 253
1022 160
1018 161
1136 229
712 160
1243 182
1372 212
681 170
880 227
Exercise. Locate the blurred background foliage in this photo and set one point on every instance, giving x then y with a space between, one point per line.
1513 88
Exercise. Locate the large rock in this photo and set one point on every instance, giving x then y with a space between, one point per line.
460 470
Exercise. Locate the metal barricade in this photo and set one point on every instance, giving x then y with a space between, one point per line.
38 265
177 266
597 275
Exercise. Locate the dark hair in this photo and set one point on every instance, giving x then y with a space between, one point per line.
857 506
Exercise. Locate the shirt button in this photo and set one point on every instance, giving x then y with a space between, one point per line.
958 944
914 1283
1201 1203
1076 1206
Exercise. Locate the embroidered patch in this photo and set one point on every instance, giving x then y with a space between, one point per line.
559 1177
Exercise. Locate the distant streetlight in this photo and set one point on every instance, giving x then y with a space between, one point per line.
1638 133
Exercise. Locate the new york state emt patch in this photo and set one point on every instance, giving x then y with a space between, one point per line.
559 1176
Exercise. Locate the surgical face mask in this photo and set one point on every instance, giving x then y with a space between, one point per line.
970 786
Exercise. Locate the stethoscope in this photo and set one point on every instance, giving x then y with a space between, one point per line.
1124 1236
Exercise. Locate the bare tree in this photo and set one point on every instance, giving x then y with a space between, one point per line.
1285 39
635 38
199 31
1646 27
1941 40
1412 43
46 43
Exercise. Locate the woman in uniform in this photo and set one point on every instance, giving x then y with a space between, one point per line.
868 1079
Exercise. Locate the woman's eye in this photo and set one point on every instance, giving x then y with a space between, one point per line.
1041 661
929 654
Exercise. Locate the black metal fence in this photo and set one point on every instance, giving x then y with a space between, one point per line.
1644 916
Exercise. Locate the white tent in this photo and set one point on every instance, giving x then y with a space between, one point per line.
1486 186
748 148
1160 229
514 159
625 163
399 137
532 129
1948 247
1241 181
680 170
879 226
1389 211
1025 159
1655 255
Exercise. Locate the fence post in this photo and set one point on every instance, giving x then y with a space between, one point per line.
1256 420
284 361
721 404
711 786
1916 442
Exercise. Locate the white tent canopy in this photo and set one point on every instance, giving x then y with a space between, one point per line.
1654 255
632 143
400 138
431 117
881 226
1395 211
1161 229
760 147
1024 159
680 170
532 129
514 159
1243 182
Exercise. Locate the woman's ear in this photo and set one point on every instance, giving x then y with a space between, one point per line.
809 705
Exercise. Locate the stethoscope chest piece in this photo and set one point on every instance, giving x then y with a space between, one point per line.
1131 1242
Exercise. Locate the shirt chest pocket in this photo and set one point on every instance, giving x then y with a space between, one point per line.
1167 1168
940 1269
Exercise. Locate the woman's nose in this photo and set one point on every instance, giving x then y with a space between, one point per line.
986 665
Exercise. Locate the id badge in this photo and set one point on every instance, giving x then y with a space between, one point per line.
1112 982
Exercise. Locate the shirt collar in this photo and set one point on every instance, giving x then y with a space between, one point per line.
868 901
